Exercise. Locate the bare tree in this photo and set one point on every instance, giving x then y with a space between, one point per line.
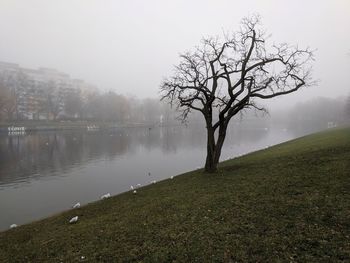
3 98
53 101
225 75
73 105
8 102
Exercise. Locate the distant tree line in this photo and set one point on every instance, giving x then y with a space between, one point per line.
49 104
314 115
110 106
27 94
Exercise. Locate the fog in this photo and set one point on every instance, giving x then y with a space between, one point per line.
94 96
129 46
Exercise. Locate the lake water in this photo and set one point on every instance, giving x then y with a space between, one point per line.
48 172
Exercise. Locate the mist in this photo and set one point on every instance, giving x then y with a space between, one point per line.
174 131
128 46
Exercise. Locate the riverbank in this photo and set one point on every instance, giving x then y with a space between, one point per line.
290 202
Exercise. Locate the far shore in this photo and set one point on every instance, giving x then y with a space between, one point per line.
43 125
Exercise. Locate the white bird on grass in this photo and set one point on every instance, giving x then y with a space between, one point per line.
171 177
77 205
105 196
153 182
138 185
131 187
73 220
134 191
13 226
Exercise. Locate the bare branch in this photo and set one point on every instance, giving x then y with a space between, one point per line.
223 76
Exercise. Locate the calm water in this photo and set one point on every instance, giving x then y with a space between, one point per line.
48 172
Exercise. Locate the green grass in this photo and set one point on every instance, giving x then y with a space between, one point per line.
289 203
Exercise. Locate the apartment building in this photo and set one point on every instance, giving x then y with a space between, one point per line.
41 93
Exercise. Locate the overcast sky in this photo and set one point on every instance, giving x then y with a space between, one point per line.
130 45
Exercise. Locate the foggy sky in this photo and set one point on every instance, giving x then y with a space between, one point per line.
129 45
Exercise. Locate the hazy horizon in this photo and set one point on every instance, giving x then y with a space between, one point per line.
129 46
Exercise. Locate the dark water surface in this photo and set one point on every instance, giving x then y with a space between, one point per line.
48 172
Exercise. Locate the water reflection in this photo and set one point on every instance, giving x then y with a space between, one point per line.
54 153
64 167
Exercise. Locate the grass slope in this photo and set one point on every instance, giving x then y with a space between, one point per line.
289 203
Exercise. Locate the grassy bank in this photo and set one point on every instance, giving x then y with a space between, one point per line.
289 203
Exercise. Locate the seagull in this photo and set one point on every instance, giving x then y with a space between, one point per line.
131 187
134 191
105 196
138 185
153 182
171 177
73 220
77 205
13 226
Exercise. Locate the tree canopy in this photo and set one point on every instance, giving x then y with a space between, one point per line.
224 75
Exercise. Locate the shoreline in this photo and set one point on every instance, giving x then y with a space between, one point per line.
22 127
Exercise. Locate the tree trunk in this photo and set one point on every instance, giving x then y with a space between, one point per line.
214 148
210 165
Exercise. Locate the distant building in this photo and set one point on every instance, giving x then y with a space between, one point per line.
41 93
